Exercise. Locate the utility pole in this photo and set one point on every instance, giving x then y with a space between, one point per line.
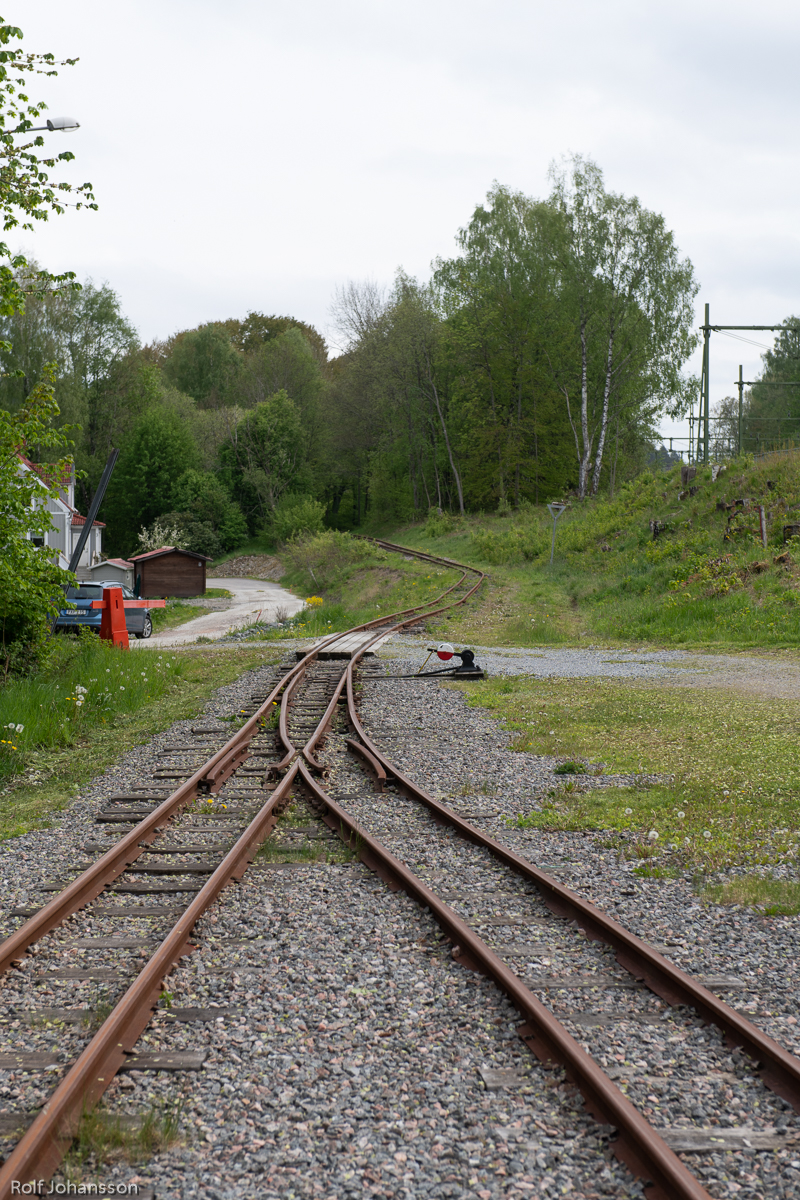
706 340
741 395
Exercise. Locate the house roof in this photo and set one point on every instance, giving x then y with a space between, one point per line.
51 478
122 563
137 558
77 519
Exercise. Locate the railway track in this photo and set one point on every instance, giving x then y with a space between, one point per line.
187 844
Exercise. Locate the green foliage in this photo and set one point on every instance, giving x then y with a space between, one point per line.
28 194
516 544
86 682
296 515
325 560
264 457
201 498
30 584
203 364
440 523
159 450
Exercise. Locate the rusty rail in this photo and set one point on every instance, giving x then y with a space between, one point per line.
42 1147
779 1069
639 1146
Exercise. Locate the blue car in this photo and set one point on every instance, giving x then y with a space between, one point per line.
137 620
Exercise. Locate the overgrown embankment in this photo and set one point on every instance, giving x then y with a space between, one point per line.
349 581
663 561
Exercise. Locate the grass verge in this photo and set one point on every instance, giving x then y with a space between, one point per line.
775 897
732 799
63 744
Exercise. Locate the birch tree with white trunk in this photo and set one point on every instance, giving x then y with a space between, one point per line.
626 297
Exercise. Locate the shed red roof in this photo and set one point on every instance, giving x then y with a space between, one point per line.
135 558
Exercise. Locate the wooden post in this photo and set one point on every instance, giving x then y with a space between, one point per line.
762 521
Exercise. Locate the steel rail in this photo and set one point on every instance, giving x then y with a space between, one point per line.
639 1145
91 882
41 1148
778 1068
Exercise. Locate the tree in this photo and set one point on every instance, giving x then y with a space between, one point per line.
204 364
158 451
497 296
27 194
771 412
264 456
200 497
30 583
626 298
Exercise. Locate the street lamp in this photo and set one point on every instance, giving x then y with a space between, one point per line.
54 125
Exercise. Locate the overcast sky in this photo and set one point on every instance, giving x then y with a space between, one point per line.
254 155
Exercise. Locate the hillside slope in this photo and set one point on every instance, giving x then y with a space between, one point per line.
660 562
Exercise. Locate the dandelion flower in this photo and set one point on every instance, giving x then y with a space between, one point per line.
681 815
628 812
122 687
706 834
653 835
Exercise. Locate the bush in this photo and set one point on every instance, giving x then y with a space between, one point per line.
439 523
165 531
295 515
513 545
325 559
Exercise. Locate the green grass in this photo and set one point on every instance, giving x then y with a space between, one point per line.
612 583
775 897
128 698
355 583
105 1138
733 797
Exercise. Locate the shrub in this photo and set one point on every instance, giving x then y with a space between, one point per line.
163 532
439 523
295 515
327 558
516 544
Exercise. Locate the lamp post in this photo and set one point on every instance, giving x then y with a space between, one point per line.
54 125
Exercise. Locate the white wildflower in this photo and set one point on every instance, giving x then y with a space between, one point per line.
653 835
628 812
706 834
681 815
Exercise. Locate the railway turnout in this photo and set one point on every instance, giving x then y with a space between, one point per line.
170 847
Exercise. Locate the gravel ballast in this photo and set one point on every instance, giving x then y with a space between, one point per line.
353 1056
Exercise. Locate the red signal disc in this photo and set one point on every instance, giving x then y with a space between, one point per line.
445 651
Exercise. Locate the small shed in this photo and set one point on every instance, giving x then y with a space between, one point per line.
118 570
170 572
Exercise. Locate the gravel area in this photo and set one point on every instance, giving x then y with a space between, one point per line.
776 675
351 1055
250 566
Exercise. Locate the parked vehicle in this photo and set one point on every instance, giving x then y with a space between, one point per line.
137 620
